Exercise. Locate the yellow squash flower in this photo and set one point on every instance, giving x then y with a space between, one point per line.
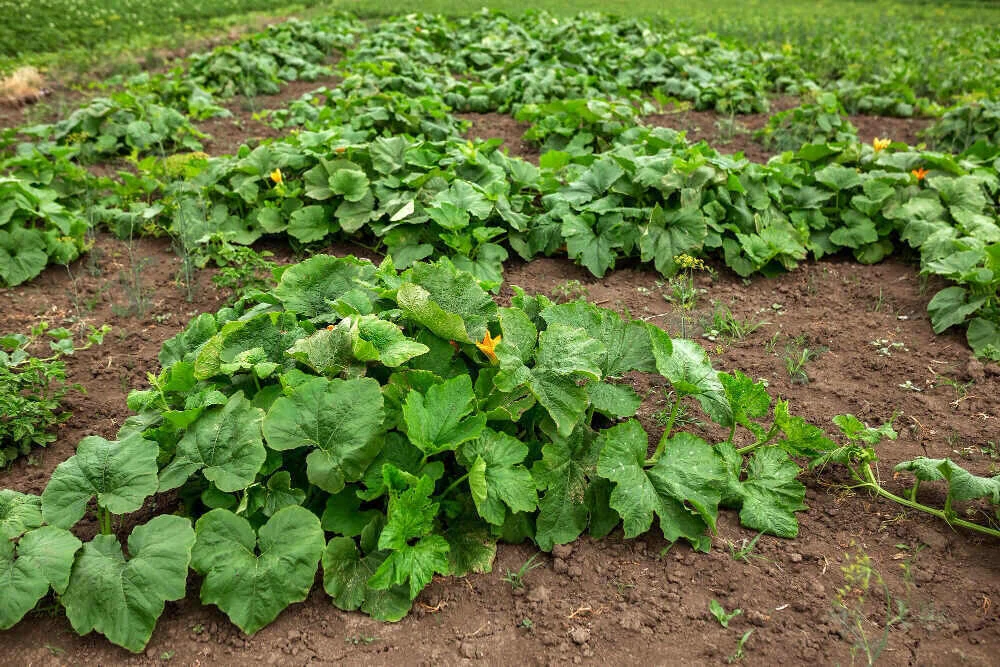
880 144
277 177
920 173
488 346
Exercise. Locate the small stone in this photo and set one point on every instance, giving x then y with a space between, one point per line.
468 650
559 566
575 571
975 370
756 618
818 589
579 636
294 634
563 551
795 557
539 594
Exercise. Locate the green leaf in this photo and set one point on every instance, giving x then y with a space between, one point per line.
951 306
19 513
682 488
121 474
309 224
29 566
225 444
416 563
747 399
690 371
308 288
379 340
591 250
447 301
497 477
466 197
838 177
616 401
856 230
626 344
345 579
329 352
561 396
984 338
340 420
566 350
343 514
962 485
184 346
564 474
439 420
22 255
122 598
923 468
253 344
417 305
670 234
801 437
593 183
352 184
416 554
771 493
471 547
253 577
277 495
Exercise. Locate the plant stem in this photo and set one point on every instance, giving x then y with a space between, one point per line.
454 484
666 433
732 433
104 520
766 440
867 478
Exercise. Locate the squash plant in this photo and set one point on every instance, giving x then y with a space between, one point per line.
391 426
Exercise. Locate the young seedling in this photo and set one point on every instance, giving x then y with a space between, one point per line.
738 655
745 551
720 613
569 290
516 579
797 355
772 343
726 325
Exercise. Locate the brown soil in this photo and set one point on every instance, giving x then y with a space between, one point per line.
228 134
502 126
611 601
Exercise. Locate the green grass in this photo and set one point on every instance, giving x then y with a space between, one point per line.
33 27
77 37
